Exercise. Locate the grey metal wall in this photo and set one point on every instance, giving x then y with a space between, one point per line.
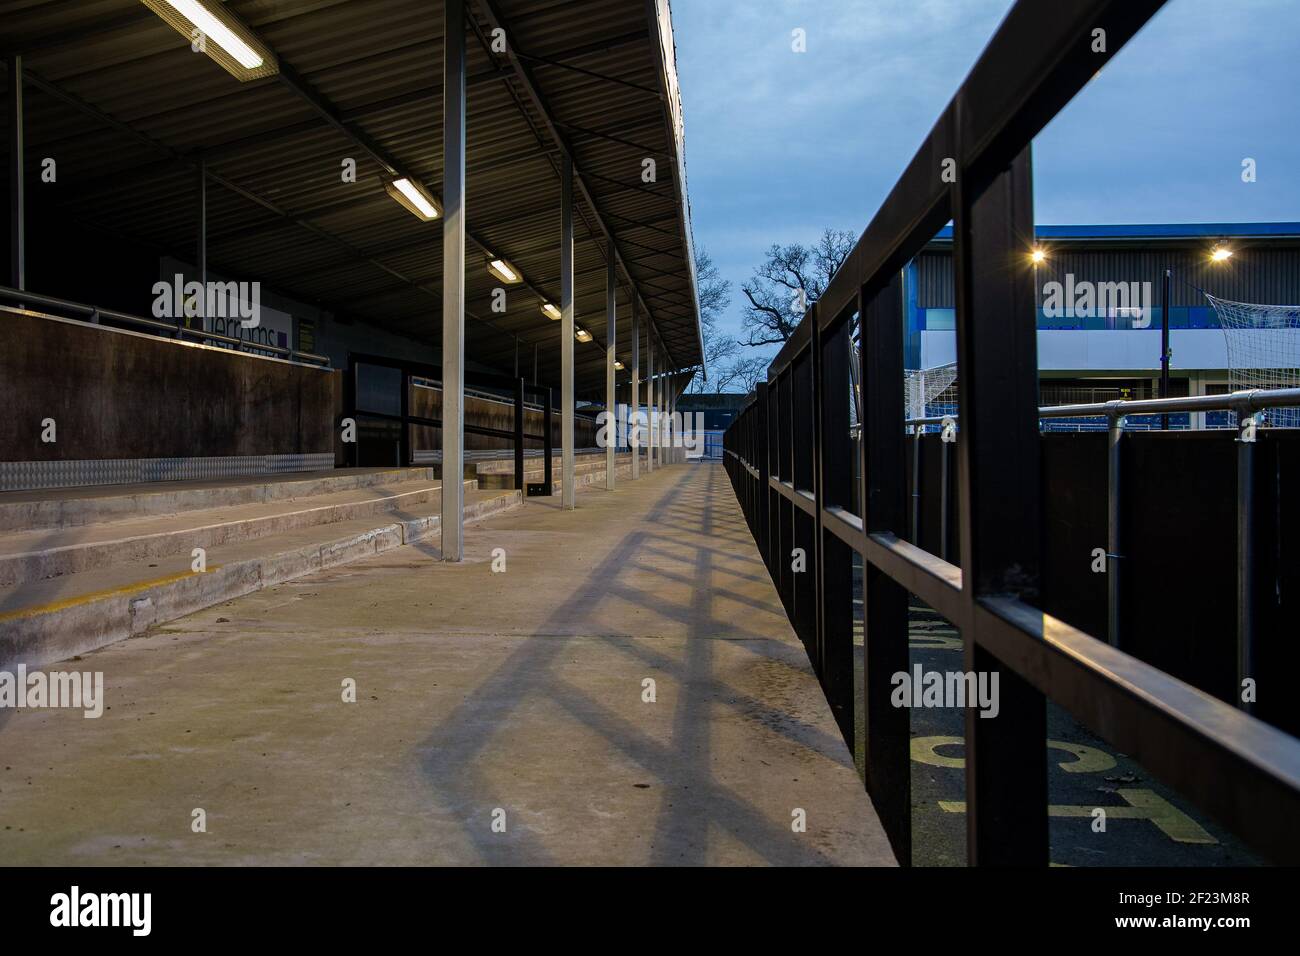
1266 275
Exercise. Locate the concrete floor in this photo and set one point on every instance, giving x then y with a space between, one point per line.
514 696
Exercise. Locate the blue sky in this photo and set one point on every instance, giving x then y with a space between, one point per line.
780 145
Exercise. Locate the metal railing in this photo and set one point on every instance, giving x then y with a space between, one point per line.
94 315
1246 404
788 456
410 372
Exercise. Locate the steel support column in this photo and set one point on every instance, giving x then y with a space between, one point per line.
661 398
634 431
453 281
650 401
17 200
611 401
568 497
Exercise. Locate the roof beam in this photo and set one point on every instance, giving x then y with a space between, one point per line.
303 88
524 77
284 215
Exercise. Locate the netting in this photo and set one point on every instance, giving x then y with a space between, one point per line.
930 391
1263 350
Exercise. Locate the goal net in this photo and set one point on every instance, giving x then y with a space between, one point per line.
1263 350
930 391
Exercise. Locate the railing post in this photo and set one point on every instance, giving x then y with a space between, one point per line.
834 470
1115 528
916 484
803 476
887 747
404 452
945 496
999 489
1247 424
758 449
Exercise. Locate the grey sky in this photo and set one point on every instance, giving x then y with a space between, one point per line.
780 145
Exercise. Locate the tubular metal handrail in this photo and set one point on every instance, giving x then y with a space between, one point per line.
93 313
1246 400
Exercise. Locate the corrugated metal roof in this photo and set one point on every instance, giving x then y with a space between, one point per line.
129 109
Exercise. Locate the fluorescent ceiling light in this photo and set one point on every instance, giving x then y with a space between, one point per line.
414 198
582 335
504 271
226 39
550 311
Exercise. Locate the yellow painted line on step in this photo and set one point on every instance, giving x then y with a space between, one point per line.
53 606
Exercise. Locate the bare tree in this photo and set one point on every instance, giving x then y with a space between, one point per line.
739 375
715 296
793 278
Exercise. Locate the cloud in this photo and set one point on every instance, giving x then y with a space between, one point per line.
781 145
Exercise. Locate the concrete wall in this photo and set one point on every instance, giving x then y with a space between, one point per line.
122 395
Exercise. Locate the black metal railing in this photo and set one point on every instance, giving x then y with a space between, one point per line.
789 457
403 418
1245 404
177 329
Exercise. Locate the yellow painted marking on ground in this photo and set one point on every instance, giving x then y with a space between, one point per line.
934 642
926 750
53 606
1087 759
1143 805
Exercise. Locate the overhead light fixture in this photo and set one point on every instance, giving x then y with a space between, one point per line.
1221 254
550 311
581 334
220 34
415 198
1038 255
618 365
504 271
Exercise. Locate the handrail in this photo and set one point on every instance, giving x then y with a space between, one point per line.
1246 400
94 313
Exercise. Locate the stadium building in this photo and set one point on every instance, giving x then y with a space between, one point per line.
1097 340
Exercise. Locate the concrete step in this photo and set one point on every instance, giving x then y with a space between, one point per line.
30 556
497 474
73 507
54 619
